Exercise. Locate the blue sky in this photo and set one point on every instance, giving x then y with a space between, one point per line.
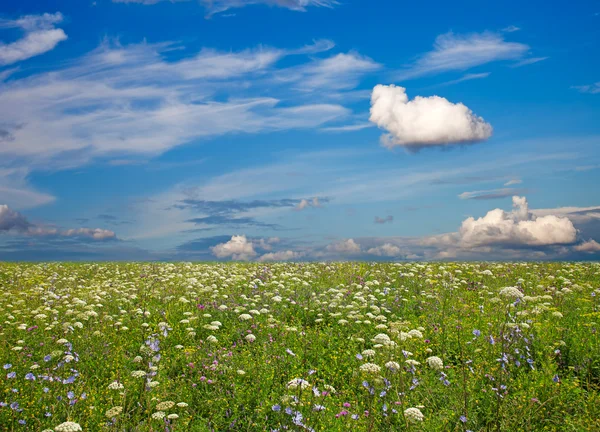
299 130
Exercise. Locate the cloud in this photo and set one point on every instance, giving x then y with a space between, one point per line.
513 182
511 28
314 202
516 228
217 6
382 221
14 222
344 247
338 72
529 61
238 249
467 77
590 89
348 128
40 37
280 256
424 121
130 100
489 194
385 250
462 52
589 246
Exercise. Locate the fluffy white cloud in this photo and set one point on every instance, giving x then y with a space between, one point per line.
453 52
424 121
14 222
238 249
589 246
40 37
518 227
344 247
385 250
281 256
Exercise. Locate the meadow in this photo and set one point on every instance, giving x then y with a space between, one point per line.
303 346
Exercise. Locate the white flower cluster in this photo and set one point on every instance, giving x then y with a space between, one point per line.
435 363
413 415
370 368
67 427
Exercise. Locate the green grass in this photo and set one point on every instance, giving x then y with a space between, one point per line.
310 322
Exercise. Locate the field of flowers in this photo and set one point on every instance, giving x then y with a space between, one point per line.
316 347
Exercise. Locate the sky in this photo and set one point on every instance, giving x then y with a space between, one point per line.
296 130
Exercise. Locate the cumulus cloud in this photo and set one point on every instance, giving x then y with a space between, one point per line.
238 249
453 52
385 250
384 220
14 222
424 121
348 246
518 227
40 37
281 256
589 246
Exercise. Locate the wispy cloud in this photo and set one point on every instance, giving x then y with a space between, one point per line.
40 36
126 102
529 61
467 77
453 52
490 194
217 6
591 88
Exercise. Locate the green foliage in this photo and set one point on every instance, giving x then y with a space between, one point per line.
323 347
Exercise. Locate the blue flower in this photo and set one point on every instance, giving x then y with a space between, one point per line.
47 358
11 375
276 408
477 333
30 377
463 419
7 366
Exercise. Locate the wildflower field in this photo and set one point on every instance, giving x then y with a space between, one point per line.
312 346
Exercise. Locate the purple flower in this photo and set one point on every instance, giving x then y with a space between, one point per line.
47 358
359 356
354 416
14 405
7 366
477 333
70 395
11 375
318 408
556 379
288 411
276 408
30 377
48 414
22 422
463 419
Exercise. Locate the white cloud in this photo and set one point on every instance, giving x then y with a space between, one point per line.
14 222
518 227
132 101
424 121
461 52
513 182
589 246
238 249
304 204
344 247
575 214
385 250
488 194
348 128
216 6
339 72
281 256
467 77
40 37
529 61
591 88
